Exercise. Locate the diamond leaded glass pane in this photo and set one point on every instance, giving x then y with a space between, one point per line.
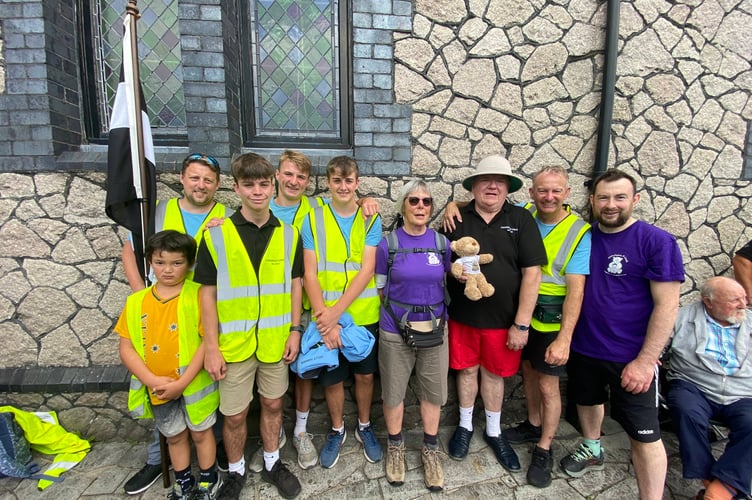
159 52
295 51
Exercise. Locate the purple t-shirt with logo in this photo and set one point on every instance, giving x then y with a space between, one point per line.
618 303
417 278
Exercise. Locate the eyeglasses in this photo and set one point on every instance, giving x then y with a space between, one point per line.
414 200
199 156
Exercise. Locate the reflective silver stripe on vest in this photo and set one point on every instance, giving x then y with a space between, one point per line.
321 241
136 385
199 395
160 214
225 291
556 277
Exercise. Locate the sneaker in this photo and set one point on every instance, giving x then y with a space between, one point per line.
433 474
208 491
505 454
330 451
580 461
459 445
395 463
231 486
280 476
257 460
222 462
371 447
180 493
307 454
541 465
523 433
142 479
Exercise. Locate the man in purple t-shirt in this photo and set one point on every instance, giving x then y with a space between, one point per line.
631 301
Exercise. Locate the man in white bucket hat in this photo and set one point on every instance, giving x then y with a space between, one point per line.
488 335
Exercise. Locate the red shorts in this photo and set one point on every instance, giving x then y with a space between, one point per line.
487 347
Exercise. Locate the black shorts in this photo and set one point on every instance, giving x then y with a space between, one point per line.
535 352
369 365
590 382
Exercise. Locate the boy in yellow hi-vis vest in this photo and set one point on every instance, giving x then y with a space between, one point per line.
161 344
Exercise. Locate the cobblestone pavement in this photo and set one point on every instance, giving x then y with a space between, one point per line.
105 470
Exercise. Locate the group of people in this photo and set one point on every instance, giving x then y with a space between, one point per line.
599 303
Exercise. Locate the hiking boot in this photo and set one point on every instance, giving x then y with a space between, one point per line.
231 486
330 451
257 459
459 445
142 479
222 462
541 465
280 476
433 474
371 447
523 433
208 491
307 455
179 492
581 460
395 463
505 455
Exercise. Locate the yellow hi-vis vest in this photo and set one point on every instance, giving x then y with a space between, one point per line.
337 267
255 312
168 216
560 245
201 395
306 205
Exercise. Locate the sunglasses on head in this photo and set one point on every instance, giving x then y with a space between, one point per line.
199 156
414 200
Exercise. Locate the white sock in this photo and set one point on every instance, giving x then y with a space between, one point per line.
339 429
362 426
493 423
301 422
271 458
238 467
466 418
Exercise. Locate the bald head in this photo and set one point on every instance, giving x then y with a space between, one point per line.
725 300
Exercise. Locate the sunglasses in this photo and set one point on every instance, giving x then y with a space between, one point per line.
199 156
414 200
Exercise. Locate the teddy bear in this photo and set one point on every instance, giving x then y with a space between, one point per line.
468 264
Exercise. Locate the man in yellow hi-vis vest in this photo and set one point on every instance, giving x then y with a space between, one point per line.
544 357
251 268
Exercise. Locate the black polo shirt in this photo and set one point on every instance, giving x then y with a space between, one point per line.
514 240
255 239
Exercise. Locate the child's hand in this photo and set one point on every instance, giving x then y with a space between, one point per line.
170 391
292 348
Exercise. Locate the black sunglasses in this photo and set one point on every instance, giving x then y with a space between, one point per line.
199 156
413 201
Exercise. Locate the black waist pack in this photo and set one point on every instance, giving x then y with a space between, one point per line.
423 340
548 309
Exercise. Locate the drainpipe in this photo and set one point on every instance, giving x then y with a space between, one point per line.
607 91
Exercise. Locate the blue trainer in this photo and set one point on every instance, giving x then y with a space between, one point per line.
330 451
371 447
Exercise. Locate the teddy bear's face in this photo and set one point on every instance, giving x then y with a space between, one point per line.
466 246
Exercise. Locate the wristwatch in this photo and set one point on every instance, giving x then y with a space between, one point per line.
522 328
297 328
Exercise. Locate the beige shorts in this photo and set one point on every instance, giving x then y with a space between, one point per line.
396 362
236 389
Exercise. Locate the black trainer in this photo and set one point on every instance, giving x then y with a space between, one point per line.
280 476
523 433
142 479
231 486
541 465
459 445
503 451
222 462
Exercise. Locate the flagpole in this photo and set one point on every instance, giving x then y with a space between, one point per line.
131 9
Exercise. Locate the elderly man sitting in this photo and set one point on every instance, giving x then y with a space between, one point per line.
711 377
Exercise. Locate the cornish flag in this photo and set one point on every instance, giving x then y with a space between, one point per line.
131 196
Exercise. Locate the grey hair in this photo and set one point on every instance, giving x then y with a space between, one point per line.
553 169
408 189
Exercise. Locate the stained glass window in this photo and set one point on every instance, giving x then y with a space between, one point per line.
295 73
159 52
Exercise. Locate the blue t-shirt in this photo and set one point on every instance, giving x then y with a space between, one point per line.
373 236
580 261
287 214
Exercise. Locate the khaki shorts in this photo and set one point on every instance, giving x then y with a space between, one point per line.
236 389
396 362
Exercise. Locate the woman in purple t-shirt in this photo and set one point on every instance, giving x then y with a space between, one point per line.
420 259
